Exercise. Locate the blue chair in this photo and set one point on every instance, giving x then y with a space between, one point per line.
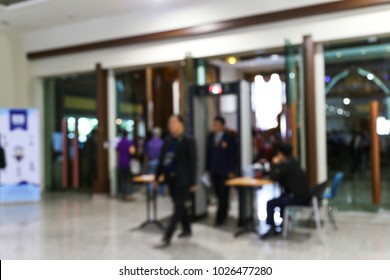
330 194
315 206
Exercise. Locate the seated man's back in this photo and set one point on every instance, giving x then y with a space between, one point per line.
291 177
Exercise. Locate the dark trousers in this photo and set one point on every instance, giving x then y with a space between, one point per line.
281 202
222 192
124 182
179 195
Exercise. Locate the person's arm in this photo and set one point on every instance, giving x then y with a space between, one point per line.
193 160
230 152
208 153
159 168
278 170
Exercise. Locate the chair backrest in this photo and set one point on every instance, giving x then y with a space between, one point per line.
318 191
338 177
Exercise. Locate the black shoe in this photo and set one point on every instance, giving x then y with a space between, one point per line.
270 233
164 244
185 235
219 223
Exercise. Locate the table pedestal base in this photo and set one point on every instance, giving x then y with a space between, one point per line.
156 223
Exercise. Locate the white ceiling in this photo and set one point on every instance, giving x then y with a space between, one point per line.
264 63
42 14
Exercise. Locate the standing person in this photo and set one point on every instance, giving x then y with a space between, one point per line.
152 153
288 173
125 150
90 153
177 163
3 162
220 165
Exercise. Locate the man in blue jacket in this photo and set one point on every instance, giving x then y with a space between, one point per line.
220 165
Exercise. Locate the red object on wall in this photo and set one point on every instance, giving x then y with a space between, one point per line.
65 153
76 156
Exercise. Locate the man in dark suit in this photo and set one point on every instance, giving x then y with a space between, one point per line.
288 173
220 165
177 163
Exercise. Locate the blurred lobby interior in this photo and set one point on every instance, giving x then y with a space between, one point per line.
316 73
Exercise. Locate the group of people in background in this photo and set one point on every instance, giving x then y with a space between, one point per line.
173 161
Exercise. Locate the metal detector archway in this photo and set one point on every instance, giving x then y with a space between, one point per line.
233 102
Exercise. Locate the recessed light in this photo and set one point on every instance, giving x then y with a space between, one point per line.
231 60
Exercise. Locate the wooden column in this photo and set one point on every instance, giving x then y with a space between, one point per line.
188 80
310 110
102 185
375 154
149 98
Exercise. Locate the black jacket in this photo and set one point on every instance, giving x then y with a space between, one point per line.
2 158
186 161
220 158
291 177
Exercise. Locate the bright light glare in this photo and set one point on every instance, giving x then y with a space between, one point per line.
346 101
267 98
370 77
382 126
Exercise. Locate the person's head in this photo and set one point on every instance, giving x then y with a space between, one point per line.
123 133
156 132
176 125
283 150
219 124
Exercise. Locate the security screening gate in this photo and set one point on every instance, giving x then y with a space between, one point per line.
233 102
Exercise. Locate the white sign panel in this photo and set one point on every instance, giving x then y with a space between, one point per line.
19 136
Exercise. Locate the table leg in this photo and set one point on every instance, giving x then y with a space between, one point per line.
154 218
251 224
151 195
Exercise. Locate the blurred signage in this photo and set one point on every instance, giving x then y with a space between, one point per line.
19 136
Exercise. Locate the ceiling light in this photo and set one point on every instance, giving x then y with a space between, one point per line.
231 60
346 101
370 76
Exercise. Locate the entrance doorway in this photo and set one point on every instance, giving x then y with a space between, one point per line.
358 124
70 133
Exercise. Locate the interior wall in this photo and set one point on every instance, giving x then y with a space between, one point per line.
7 87
14 72
152 20
323 28
229 74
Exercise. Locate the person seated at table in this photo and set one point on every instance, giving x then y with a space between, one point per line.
288 173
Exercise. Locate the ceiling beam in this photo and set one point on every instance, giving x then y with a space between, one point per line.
206 29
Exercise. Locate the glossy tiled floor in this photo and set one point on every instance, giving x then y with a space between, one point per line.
70 226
